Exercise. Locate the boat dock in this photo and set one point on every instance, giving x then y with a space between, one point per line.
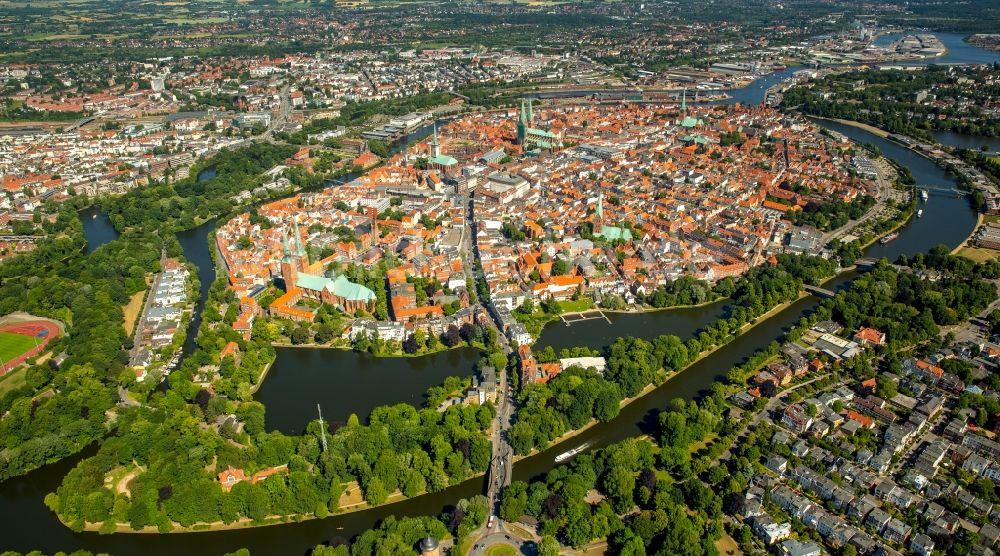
570 318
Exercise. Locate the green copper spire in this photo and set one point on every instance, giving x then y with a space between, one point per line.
684 106
299 249
435 144
522 125
600 205
286 252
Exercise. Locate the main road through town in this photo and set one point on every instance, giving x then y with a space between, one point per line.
501 462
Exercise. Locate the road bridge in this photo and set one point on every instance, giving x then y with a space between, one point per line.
80 123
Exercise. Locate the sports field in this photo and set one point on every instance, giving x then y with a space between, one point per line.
13 345
21 337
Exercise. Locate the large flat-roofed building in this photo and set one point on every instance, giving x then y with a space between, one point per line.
837 347
596 363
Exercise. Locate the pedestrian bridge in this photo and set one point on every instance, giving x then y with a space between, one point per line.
818 291
943 190
865 263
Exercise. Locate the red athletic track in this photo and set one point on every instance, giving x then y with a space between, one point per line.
31 329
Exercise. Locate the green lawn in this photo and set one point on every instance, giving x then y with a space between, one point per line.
501 550
12 345
12 380
978 254
537 320
570 306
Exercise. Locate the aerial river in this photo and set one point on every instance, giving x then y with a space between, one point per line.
961 140
29 525
196 251
959 51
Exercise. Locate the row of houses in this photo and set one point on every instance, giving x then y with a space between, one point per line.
400 331
162 317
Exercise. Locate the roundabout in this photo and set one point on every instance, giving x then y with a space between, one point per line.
501 550
500 542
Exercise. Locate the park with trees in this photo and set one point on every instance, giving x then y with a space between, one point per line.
576 398
138 478
887 99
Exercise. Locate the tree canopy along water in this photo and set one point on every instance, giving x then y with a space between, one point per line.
30 525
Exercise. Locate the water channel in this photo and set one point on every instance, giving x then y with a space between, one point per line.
196 251
28 525
684 322
300 378
97 228
959 51
963 141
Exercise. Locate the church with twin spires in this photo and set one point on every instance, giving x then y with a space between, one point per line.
339 292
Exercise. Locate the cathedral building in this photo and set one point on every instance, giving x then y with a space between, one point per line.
339 291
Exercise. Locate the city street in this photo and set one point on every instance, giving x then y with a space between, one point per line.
770 406
499 475
502 460
498 537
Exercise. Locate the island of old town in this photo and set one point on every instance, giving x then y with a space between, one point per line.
375 277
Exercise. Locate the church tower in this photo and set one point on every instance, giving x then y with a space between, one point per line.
372 214
435 144
289 266
522 124
599 221
301 255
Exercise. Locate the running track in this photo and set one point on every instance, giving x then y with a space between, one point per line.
31 329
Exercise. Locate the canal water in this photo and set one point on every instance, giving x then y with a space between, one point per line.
963 141
97 228
922 233
344 382
196 250
959 51
194 243
682 322
28 525
754 92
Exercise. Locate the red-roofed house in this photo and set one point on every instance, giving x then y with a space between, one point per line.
869 336
865 422
559 287
230 477
230 349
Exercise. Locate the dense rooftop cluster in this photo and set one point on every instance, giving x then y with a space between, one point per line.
645 195
608 202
